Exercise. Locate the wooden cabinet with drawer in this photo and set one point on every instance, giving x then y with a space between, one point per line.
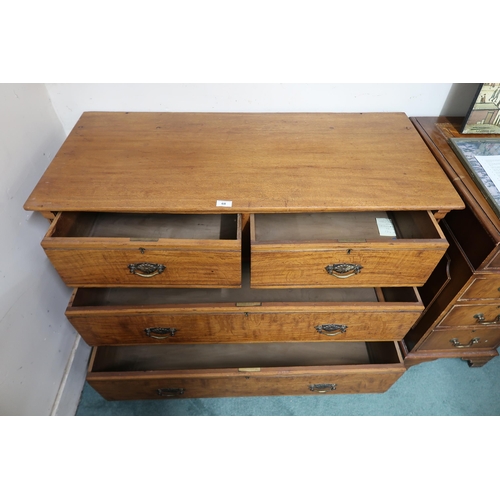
462 296
271 254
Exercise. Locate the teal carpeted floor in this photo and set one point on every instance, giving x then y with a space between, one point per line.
445 387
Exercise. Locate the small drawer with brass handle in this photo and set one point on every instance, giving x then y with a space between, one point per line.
473 314
146 250
477 338
344 249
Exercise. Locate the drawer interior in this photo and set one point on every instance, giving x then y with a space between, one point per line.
470 236
359 226
147 226
91 297
210 356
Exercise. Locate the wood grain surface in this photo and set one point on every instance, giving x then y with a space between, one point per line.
464 315
288 323
231 383
353 368
484 286
488 338
261 162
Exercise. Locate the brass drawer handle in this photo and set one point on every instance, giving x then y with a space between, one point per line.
343 271
322 388
170 392
166 332
146 269
481 321
458 345
331 329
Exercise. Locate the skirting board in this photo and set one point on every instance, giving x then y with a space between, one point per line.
70 391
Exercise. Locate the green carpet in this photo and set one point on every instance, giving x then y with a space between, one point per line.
444 387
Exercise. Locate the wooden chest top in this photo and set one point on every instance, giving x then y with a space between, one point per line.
258 162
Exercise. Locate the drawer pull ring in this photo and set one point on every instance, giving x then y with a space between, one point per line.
331 329
458 345
322 388
170 392
146 269
481 321
343 270
165 332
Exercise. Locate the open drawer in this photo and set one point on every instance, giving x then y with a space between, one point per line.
355 249
145 250
198 371
124 316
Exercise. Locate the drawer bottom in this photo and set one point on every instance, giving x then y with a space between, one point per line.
225 370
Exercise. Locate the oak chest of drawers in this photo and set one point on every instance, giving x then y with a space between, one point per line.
244 254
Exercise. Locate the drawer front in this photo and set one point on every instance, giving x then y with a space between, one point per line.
219 370
233 383
208 326
484 286
80 267
343 266
362 249
145 250
460 339
487 315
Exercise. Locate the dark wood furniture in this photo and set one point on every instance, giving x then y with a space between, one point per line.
462 296
244 254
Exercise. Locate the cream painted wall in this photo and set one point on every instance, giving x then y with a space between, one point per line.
36 341
70 100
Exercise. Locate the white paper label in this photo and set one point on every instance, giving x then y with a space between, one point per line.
224 203
385 227
491 165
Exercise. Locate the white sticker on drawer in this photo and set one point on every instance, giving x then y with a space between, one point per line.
385 227
224 203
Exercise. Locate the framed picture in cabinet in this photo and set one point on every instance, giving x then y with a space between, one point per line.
481 158
483 116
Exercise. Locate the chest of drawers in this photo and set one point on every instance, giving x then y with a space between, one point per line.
244 254
462 295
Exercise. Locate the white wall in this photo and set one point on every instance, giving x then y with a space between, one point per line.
36 341
418 99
